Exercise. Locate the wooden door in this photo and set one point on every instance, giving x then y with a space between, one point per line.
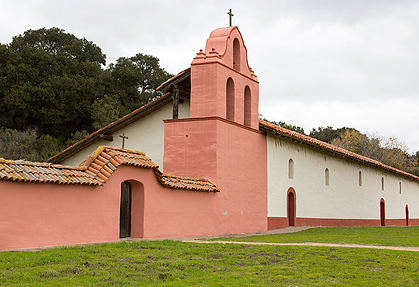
291 209
125 210
407 215
382 213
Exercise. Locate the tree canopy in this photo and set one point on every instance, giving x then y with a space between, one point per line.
135 79
327 134
56 84
49 81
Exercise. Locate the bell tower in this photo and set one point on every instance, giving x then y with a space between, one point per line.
222 83
221 140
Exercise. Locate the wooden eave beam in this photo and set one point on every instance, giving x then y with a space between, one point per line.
106 137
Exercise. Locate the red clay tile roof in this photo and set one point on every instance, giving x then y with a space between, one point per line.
329 148
95 170
19 170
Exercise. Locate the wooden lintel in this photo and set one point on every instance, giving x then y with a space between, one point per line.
182 89
106 137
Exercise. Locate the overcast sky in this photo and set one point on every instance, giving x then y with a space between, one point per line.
351 63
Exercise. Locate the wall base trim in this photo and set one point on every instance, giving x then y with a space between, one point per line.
281 222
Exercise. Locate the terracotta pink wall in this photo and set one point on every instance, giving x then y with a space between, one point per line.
158 211
242 176
190 148
40 214
230 155
37 214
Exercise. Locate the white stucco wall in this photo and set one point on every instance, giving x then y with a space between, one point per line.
146 135
343 198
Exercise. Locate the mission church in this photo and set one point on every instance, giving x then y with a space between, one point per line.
198 161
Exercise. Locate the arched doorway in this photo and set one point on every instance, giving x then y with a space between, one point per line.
125 210
291 206
382 212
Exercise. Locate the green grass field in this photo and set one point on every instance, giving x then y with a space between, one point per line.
172 263
386 236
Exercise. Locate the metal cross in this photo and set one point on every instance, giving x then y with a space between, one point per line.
231 17
123 139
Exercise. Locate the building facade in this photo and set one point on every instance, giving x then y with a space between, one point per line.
212 168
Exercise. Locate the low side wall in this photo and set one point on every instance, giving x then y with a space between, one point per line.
40 214
45 214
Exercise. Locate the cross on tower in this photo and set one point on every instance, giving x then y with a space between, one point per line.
231 17
123 139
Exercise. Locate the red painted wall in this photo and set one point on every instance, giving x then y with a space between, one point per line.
231 156
40 214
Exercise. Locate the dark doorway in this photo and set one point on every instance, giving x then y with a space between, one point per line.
291 207
407 215
382 212
125 210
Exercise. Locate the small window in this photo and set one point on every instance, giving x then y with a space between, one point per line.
326 176
290 169
382 183
400 187
360 178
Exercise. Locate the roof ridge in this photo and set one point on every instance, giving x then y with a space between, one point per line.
184 177
179 182
38 164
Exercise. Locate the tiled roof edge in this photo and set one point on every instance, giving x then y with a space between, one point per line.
40 164
329 148
104 161
26 171
96 170
178 182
